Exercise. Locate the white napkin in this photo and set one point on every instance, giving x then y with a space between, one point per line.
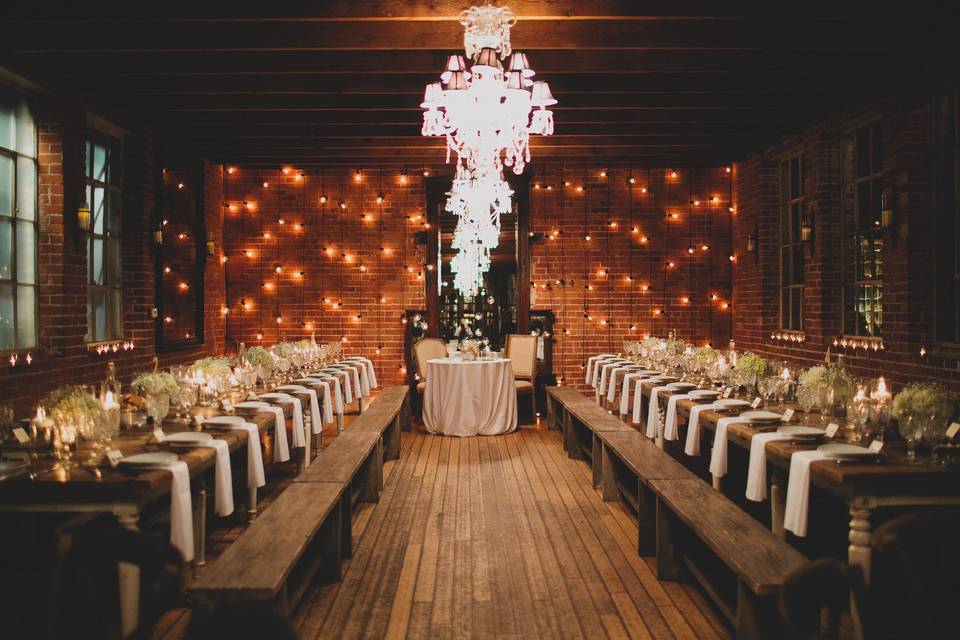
337 394
670 421
798 491
353 374
628 382
612 386
757 468
181 514
718 457
223 483
315 425
281 452
297 428
606 373
692 446
637 400
371 372
255 477
592 361
653 411
347 386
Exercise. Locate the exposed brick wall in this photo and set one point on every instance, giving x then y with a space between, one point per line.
61 356
300 299
652 300
355 278
908 259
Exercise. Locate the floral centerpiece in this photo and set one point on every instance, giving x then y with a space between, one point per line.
213 367
73 411
676 347
261 360
825 386
157 388
923 410
703 357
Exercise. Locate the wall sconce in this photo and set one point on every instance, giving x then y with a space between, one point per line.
886 211
752 242
806 228
83 217
211 248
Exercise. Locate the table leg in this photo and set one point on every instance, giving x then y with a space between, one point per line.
717 483
339 423
859 553
307 436
251 504
128 576
778 502
200 524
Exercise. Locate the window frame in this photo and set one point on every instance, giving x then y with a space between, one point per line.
15 221
852 231
790 240
113 285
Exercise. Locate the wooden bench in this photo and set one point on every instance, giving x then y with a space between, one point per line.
279 555
695 522
307 529
581 420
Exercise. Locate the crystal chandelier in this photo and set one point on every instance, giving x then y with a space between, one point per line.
487 114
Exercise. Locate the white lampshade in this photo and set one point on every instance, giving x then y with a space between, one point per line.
518 62
487 61
457 81
454 63
542 97
432 95
515 80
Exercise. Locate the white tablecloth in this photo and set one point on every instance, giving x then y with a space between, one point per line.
470 398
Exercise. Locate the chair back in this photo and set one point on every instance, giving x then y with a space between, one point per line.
522 351
426 349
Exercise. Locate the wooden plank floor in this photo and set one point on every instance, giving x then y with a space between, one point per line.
498 537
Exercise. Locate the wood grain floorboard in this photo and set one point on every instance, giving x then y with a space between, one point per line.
501 537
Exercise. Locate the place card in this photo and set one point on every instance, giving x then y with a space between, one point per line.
953 430
158 434
114 456
756 402
21 435
227 407
787 415
876 446
727 392
832 429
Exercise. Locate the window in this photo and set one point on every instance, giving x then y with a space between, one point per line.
946 148
18 227
791 244
862 243
103 181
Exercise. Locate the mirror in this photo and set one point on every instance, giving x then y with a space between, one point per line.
181 256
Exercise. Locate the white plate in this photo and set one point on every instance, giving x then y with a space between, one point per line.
282 397
252 405
224 420
152 459
731 403
645 372
188 437
844 451
704 393
801 432
291 387
681 386
761 417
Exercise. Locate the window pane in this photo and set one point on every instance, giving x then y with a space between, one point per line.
114 311
6 250
113 257
864 207
26 253
6 186
114 202
97 211
796 184
26 188
6 126
99 163
877 149
26 318
784 266
116 164
96 262
797 265
784 308
88 171
863 151
6 317
795 216
97 315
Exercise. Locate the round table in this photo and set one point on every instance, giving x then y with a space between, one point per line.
470 397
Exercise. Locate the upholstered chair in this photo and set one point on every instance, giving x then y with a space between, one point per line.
426 349
522 352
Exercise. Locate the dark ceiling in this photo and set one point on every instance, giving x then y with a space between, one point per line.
340 82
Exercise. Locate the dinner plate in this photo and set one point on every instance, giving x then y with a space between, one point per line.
844 451
282 397
704 393
188 437
644 372
731 403
800 432
761 417
252 405
681 386
151 459
291 387
224 420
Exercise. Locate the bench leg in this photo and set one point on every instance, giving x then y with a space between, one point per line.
669 564
608 475
339 423
646 521
551 417
756 615
392 439
778 502
251 504
330 549
569 436
405 411
373 475
346 525
597 463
